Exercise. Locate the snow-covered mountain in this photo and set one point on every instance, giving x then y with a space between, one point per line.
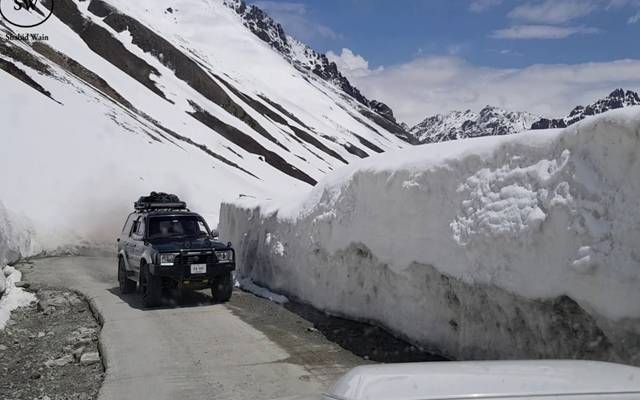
490 121
305 58
617 99
175 95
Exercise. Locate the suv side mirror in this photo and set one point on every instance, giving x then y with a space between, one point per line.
215 234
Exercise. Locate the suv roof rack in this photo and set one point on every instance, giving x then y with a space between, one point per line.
160 206
159 201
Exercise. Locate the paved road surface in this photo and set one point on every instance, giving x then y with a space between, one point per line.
246 349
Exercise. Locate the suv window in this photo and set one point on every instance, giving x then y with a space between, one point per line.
127 225
202 227
177 226
134 227
137 231
140 227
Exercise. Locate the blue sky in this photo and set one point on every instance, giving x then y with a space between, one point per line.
385 36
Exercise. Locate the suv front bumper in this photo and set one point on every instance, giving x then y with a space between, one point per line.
181 273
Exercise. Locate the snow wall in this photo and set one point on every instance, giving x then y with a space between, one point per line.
16 237
525 246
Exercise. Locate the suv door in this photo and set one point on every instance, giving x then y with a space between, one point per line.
124 235
136 245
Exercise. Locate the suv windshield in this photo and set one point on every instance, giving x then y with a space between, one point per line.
177 226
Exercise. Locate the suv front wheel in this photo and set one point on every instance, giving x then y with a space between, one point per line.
150 286
126 284
222 288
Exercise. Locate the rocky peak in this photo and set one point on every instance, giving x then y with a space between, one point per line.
490 121
261 25
619 98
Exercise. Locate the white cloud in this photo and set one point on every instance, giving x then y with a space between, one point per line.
293 17
479 6
540 32
505 52
350 64
622 3
553 11
457 49
634 4
433 85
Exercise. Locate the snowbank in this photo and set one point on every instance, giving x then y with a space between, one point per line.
13 297
247 285
522 246
16 237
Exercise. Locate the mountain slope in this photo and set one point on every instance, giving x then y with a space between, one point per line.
617 99
490 121
306 59
125 98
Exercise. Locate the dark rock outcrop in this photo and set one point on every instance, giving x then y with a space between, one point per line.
105 45
545 123
248 143
382 109
21 75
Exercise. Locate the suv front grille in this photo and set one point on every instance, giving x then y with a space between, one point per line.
184 261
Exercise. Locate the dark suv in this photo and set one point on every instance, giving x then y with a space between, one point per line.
165 246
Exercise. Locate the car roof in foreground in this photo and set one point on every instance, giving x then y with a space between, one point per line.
489 380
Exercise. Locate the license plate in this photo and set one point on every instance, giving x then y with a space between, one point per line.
198 268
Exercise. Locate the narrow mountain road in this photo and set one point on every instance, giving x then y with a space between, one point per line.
248 348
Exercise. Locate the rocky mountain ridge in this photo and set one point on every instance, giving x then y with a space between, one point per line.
491 121
619 98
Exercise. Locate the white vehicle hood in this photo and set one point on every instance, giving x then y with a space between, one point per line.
488 380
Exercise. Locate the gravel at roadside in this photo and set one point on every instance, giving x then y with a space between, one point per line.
49 350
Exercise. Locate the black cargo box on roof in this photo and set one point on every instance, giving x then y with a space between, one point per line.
160 201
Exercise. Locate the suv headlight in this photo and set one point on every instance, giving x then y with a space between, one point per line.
225 256
167 259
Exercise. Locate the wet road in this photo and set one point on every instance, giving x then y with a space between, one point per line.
248 348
